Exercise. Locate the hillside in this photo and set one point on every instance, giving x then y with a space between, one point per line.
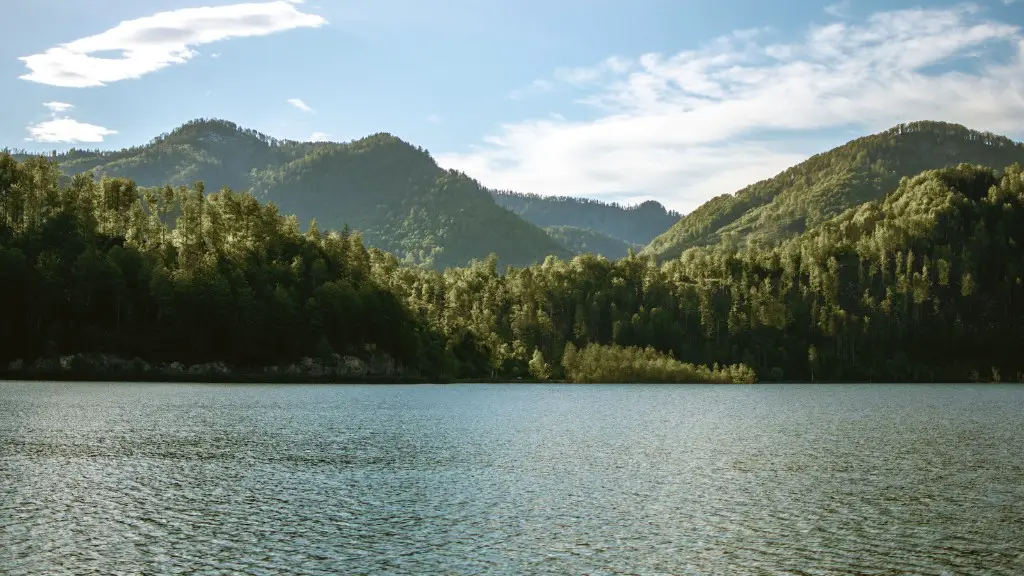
402 202
924 284
826 184
588 241
393 193
216 152
631 224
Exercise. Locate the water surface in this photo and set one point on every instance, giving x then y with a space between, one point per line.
522 479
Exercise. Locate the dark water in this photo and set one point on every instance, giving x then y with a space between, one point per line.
200 479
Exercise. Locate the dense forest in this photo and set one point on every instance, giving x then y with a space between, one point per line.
589 241
402 202
394 193
632 225
825 185
922 284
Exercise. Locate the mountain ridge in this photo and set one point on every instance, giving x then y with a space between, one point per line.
633 224
420 224
429 216
826 184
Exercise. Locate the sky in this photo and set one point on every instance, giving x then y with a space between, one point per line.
672 100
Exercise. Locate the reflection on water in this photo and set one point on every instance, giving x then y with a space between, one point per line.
162 479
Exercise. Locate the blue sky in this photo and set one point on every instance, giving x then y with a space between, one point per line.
674 100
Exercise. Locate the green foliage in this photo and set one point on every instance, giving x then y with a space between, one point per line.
825 185
586 241
631 225
876 291
94 267
394 194
597 363
539 369
922 284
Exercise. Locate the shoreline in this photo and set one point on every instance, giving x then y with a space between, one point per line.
186 378
285 378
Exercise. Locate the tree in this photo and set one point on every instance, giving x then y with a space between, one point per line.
539 369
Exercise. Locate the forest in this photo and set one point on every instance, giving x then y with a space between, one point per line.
923 284
803 196
631 225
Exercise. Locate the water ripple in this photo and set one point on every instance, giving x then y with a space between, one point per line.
169 479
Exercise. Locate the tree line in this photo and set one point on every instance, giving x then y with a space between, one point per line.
921 285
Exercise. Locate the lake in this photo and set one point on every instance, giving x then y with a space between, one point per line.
511 479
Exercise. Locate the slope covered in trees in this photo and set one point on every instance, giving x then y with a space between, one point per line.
588 241
813 191
402 202
392 192
923 284
631 224
94 267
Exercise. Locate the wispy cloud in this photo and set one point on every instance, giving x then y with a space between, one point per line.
434 119
590 74
65 130
58 107
300 104
840 9
320 137
685 127
154 42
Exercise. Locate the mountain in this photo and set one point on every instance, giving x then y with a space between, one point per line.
587 241
632 225
826 184
402 202
924 284
217 152
393 193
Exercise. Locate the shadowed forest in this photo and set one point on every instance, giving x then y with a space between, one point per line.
920 283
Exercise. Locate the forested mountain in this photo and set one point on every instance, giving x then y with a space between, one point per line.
217 152
923 284
813 191
392 192
632 224
588 241
402 202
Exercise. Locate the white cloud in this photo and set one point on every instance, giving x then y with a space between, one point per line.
434 119
58 107
320 137
685 127
67 130
64 129
299 104
154 42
